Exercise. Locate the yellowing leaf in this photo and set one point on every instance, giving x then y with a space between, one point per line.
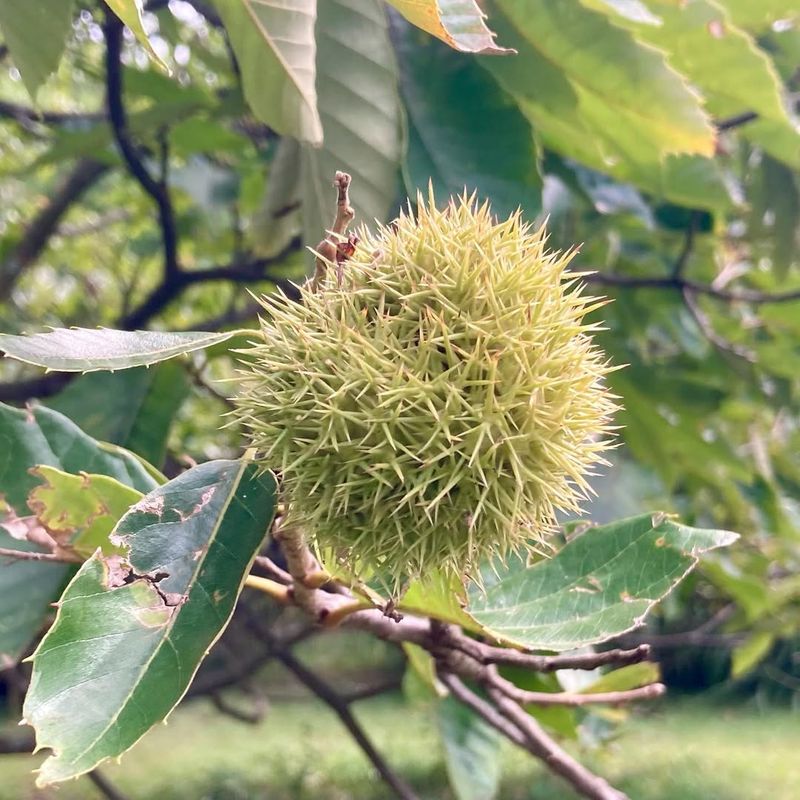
80 511
459 23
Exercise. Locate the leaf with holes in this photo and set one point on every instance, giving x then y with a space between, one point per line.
599 585
29 438
131 632
274 44
459 23
35 34
80 511
359 104
89 350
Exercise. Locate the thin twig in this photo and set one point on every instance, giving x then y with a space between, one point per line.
557 759
707 329
482 708
688 245
28 555
267 564
328 248
330 696
488 654
679 283
250 717
572 699
736 121
105 785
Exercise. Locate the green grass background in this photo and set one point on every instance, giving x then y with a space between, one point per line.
688 750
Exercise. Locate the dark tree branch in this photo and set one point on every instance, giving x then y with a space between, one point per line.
331 697
455 654
157 189
244 272
83 177
679 284
104 785
688 245
522 729
249 717
28 116
44 386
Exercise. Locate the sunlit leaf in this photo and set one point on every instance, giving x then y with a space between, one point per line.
274 43
29 438
88 350
80 511
130 12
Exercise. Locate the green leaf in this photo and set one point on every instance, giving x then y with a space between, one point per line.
631 676
89 350
721 59
630 9
279 219
459 23
35 34
464 130
80 511
38 435
758 15
472 751
274 44
130 634
27 589
137 409
440 597
30 438
560 720
748 655
130 12
604 73
599 585
597 95
359 105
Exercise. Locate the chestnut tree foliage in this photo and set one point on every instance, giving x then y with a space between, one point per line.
162 161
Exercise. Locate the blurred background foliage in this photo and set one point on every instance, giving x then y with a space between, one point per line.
660 136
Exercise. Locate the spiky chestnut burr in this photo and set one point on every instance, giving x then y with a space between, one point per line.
438 400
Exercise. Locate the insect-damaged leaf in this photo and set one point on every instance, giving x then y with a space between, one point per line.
80 511
130 633
29 438
89 350
599 585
